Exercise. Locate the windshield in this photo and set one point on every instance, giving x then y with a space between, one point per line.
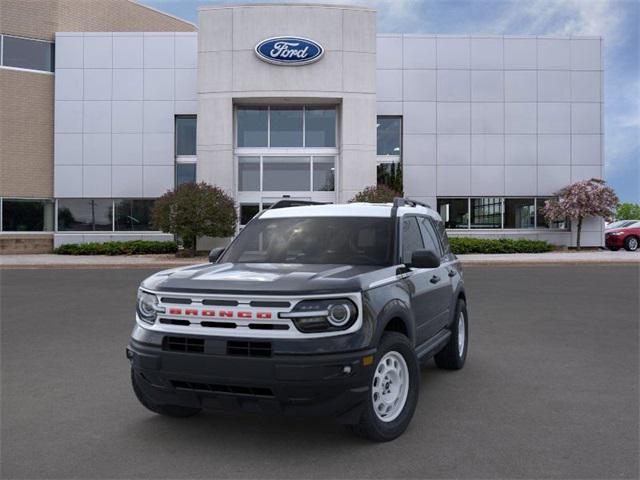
620 224
323 240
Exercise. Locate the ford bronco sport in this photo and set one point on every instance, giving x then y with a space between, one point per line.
316 310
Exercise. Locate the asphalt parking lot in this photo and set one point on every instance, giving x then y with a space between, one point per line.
550 390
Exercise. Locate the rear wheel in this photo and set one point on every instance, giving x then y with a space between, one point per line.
454 354
631 243
167 410
393 396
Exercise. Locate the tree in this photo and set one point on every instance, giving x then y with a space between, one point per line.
628 211
376 194
195 210
586 198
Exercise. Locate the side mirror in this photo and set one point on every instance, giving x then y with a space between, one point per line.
424 259
215 253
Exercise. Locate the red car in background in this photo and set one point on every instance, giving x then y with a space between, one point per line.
627 237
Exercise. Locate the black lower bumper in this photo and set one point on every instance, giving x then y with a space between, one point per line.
333 385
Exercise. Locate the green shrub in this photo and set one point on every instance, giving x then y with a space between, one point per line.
134 247
461 245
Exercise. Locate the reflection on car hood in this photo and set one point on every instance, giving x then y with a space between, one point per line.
267 278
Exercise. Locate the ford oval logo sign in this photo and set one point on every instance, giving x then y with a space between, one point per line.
289 50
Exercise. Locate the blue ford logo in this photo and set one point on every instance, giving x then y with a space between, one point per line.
289 50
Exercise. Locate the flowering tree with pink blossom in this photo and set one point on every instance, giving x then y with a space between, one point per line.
586 198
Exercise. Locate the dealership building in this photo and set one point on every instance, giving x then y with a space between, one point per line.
106 109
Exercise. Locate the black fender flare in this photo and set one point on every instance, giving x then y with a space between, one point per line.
395 309
458 294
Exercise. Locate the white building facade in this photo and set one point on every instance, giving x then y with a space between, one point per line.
482 128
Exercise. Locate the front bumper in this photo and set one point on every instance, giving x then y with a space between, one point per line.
614 240
330 384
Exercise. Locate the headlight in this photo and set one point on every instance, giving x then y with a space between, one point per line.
147 306
616 233
328 315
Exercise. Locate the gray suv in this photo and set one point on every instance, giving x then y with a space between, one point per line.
311 310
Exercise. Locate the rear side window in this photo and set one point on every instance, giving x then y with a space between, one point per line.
429 236
444 240
411 238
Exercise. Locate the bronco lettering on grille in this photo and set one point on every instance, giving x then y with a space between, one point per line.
243 314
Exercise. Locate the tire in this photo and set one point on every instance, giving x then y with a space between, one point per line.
631 243
395 360
454 354
167 410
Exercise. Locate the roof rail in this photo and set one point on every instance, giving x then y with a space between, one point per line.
408 202
288 202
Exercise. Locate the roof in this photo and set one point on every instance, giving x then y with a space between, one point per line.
380 210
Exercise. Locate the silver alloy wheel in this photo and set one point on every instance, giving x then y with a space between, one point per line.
461 334
390 386
633 243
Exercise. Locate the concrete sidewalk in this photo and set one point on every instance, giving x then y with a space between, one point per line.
169 261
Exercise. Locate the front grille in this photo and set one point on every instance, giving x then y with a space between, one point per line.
183 344
214 388
249 349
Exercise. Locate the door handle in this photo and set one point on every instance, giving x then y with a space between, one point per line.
435 279
452 273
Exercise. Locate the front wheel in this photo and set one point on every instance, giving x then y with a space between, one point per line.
631 244
454 354
394 389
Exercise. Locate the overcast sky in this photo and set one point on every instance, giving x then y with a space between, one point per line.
616 20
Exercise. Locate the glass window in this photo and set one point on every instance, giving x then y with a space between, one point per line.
444 240
542 222
317 240
25 215
249 174
519 213
486 212
286 127
324 174
247 212
185 173
252 127
186 135
429 236
454 212
25 53
411 238
389 130
286 174
320 127
84 215
133 215
390 174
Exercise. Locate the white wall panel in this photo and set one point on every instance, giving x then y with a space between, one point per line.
487 53
454 149
487 149
127 51
98 51
96 149
97 84
128 84
419 52
554 118
453 85
520 53
453 52
126 149
454 117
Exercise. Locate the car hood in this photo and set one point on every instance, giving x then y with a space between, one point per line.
266 278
